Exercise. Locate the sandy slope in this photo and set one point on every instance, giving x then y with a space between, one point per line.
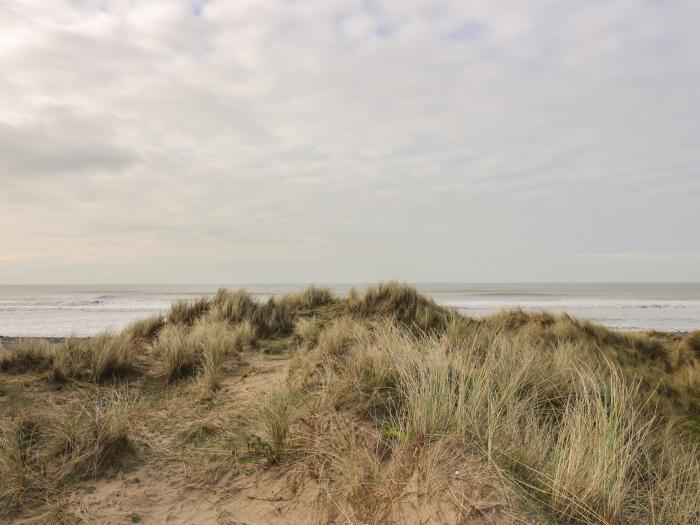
154 491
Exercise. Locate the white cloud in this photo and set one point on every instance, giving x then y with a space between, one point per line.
347 140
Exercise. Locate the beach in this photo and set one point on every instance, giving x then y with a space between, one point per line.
314 407
61 311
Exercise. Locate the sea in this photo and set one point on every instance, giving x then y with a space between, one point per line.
60 311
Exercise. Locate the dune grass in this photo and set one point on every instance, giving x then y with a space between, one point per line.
571 437
103 357
567 421
273 411
187 312
25 355
401 303
43 452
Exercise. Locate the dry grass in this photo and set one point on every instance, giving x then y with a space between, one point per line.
244 336
270 319
145 330
309 299
402 303
233 307
188 312
41 454
272 413
204 347
574 439
99 358
388 396
307 330
26 355
174 347
212 343
690 347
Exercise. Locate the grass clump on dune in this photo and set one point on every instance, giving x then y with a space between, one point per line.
174 347
690 346
233 307
308 299
145 330
202 348
401 303
272 413
42 453
307 330
96 359
271 318
574 440
188 312
26 355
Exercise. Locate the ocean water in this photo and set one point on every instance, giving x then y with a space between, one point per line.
55 311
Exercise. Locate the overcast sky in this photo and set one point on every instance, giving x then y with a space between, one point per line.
333 140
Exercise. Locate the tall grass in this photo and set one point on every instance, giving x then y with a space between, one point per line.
691 346
64 443
25 355
271 318
307 330
188 312
273 412
233 307
145 330
575 439
96 359
202 348
308 299
402 303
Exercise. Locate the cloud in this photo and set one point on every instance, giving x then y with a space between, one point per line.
645 256
348 139
61 144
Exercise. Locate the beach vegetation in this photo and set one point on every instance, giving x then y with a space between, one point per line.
186 312
26 354
375 397
103 357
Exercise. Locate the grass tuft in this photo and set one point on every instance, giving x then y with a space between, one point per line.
25 355
99 358
188 312
273 413
307 330
402 303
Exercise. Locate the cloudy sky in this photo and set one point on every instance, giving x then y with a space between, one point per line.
339 140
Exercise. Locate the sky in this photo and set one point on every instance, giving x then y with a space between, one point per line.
164 141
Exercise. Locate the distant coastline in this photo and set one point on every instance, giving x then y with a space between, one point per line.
62 311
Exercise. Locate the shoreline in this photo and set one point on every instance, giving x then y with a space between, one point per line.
9 339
